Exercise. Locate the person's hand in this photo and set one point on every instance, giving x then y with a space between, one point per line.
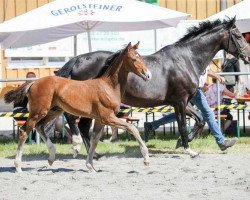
220 79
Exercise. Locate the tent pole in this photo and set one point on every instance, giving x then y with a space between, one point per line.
75 45
89 40
155 39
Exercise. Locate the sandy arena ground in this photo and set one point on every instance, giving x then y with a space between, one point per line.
169 176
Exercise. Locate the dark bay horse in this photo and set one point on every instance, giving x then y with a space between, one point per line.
175 69
98 98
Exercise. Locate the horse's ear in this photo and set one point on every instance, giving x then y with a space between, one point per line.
136 45
231 23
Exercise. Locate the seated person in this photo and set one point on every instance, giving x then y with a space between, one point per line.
56 126
211 96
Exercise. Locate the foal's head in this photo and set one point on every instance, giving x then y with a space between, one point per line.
133 62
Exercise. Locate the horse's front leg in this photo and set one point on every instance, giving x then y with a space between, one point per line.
180 111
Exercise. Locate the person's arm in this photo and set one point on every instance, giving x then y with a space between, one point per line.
216 76
228 93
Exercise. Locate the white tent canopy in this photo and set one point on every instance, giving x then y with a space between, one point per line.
63 18
241 11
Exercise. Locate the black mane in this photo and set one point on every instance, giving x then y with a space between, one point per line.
108 63
201 28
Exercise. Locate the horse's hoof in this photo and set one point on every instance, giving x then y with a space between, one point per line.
91 168
194 155
178 144
50 162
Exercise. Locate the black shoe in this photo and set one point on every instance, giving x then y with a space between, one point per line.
228 143
148 128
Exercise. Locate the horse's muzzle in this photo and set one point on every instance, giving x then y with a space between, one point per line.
147 75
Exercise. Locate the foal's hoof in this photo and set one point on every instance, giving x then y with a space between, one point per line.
50 162
18 166
19 170
91 168
146 162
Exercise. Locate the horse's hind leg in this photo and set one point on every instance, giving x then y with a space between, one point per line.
198 127
181 119
45 127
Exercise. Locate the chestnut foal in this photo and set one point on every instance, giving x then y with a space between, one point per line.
98 98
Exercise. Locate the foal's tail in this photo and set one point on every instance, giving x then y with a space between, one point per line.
66 70
17 95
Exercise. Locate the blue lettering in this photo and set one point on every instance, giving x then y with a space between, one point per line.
84 6
72 8
118 8
95 6
112 8
105 7
53 12
60 11
66 10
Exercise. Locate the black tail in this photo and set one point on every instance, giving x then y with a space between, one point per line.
17 95
66 70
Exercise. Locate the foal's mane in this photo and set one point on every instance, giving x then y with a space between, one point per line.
205 26
110 61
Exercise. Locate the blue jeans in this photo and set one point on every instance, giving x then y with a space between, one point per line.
200 101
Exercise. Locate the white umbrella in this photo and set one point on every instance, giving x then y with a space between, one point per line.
63 18
241 11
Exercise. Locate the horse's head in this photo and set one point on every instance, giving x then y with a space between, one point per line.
134 62
234 43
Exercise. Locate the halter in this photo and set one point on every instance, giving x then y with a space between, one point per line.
240 49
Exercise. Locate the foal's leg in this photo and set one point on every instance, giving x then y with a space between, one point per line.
23 134
118 123
181 119
44 127
95 137
76 136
